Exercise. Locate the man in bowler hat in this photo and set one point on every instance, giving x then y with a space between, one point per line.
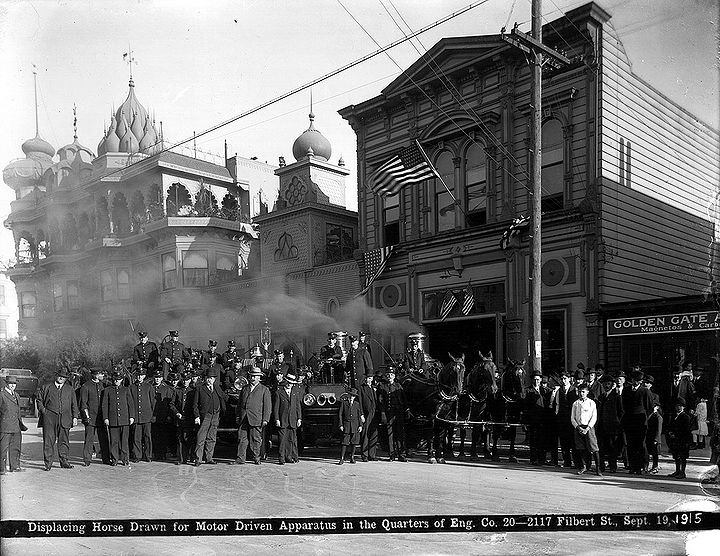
209 403
11 427
253 413
58 406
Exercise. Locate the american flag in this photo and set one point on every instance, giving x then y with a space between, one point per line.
375 262
449 301
410 165
468 301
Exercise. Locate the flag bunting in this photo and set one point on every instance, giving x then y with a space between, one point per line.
468 301
449 301
518 225
375 263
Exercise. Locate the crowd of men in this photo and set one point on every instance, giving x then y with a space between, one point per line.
170 403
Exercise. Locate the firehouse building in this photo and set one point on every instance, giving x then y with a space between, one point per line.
627 175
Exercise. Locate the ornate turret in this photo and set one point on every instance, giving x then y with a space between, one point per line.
312 143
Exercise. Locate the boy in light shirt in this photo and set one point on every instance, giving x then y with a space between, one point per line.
583 416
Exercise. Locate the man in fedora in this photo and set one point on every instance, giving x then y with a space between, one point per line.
253 413
57 404
11 427
370 410
287 415
209 402
637 407
183 409
351 424
145 354
91 415
119 414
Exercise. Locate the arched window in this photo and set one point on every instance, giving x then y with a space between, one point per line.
169 271
205 203
178 201
106 285
444 205
226 268
391 219
123 284
476 185
195 269
553 167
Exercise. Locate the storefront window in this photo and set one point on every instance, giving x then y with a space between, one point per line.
554 357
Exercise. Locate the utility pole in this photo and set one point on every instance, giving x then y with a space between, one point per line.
535 51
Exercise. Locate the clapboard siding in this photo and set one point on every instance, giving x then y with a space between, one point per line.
652 249
674 155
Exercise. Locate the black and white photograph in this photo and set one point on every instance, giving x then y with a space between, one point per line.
359 277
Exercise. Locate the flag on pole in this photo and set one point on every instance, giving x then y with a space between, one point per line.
410 165
449 301
518 225
468 301
375 262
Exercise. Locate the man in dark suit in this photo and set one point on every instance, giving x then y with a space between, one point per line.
173 354
57 404
392 414
11 426
253 413
534 418
91 416
287 415
143 398
414 357
609 416
118 412
209 403
637 407
369 407
163 429
183 408
145 354
358 363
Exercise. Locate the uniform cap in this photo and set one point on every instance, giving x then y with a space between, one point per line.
231 343
362 333
352 392
174 333
186 376
680 401
352 339
331 335
390 369
117 375
212 343
581 366
620 373
536 373
277 352
142 334
649 378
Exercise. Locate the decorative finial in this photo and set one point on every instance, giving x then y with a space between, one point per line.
128 57
312 116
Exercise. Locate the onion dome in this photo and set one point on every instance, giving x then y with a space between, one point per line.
312 143
138 127
130 110
36 145
69 152
25 172
112 141
149 138
128 143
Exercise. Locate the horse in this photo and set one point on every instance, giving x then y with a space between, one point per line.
513 386
434 398
476 401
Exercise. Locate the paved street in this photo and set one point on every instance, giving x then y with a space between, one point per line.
318 487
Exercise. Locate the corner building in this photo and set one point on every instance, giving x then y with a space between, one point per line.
627 177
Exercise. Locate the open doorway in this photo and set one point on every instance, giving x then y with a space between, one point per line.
463 336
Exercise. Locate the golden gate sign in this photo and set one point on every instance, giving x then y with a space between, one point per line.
664 324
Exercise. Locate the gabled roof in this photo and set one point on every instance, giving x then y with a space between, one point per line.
445 57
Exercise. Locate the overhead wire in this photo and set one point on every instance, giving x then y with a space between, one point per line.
307 85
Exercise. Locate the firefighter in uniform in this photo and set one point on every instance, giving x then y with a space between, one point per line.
211 356
173 354
358 363
229 361
143 400
331 357
414 358
182 408
119 413
145 354
392 414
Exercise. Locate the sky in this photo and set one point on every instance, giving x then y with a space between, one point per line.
200 63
